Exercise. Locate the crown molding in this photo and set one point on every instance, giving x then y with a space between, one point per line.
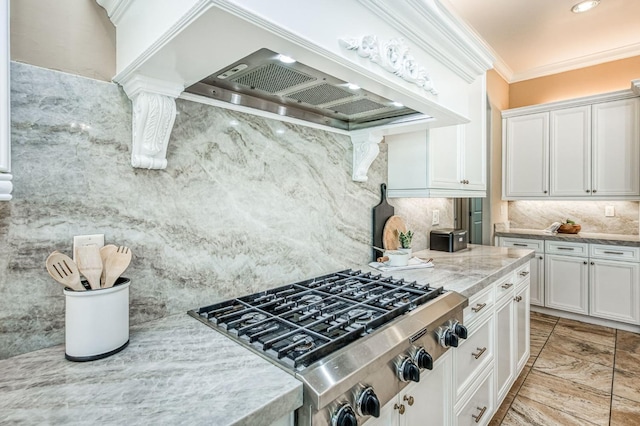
434 29
115 8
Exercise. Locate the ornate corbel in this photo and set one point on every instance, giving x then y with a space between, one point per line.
365 150
154 112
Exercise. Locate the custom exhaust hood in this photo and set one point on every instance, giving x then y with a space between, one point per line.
365 68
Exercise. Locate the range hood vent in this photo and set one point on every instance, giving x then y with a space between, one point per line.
261 81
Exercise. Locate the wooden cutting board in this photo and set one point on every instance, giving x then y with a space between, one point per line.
381 213
391 233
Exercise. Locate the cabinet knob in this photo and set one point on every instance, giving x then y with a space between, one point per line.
462 181
594 191
545 191
588 191
585 262
400 408
540 257
592 263
409 400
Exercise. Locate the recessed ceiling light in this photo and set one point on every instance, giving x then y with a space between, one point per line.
397 104
353 86
286 59
583 6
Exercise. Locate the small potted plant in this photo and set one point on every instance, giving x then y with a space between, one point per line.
405 241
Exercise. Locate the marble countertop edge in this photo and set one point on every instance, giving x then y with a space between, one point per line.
581 237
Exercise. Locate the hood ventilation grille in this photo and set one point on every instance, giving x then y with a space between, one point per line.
321 94
273 78
261 81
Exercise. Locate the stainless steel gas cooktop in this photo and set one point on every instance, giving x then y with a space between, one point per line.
354 338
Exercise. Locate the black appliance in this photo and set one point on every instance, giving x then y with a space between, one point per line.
448 239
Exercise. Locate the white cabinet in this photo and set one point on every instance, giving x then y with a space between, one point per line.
5 116
570 152
526 156
614 283
438 162
512 333
616 154
478 408
585 148
566 283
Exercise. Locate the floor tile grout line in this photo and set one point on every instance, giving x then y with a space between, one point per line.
613 375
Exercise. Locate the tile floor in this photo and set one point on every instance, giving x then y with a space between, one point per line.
578 374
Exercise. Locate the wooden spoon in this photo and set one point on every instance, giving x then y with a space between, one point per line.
105 252
117 263
64 270
90 264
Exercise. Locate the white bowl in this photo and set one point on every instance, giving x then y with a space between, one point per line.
397 258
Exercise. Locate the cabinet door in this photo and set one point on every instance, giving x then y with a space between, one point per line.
566 283
430 400
614 290
407 161
526 153
536 286
521 315
474 167
570 152
504 355
616 155
445 150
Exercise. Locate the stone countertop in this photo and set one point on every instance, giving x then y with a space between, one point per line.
466 271
175 370
591 238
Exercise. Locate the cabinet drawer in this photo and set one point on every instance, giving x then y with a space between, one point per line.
628 254
566 249
479 409
504 286
537 245
479 304
523 272
473 355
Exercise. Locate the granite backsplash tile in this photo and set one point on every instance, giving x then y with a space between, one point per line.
589 214
245 204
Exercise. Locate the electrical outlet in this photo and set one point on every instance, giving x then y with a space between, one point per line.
85 240
609 211
436 217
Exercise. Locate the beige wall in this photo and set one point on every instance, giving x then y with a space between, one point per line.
498 94
74 36
607 77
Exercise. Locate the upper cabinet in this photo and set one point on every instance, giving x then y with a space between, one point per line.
581 149
5 116
443 161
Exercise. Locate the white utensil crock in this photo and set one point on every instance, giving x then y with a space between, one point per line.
97 322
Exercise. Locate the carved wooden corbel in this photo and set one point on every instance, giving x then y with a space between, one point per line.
365 150
154 112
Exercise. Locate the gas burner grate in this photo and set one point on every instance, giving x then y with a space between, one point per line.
300 323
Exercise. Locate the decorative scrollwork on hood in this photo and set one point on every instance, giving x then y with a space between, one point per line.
393 56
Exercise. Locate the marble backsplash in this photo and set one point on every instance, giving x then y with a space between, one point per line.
589 214
245 204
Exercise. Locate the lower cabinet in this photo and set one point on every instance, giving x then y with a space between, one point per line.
567 283
478 408
536 286
613 286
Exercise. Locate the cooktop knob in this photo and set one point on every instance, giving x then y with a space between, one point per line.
409 371
451 339
460 330
345 416
423 359
368 403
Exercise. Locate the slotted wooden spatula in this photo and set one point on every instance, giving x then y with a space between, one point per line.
117 263
90 264
64 270
105 252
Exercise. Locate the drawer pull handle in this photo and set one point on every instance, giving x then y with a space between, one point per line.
520 245
507 285
400 408
613 252
478 307
480 414
479 353
524 273
409 400
517 298
566 248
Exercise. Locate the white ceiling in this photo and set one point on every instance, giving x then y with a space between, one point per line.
533 38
